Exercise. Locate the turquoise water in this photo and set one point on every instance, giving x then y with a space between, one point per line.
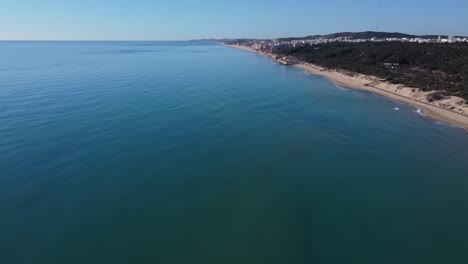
185 152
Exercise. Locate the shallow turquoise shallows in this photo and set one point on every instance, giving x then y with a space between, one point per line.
187 152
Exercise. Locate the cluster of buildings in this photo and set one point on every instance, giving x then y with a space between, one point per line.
274 44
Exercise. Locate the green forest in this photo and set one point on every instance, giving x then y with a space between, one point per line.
428 66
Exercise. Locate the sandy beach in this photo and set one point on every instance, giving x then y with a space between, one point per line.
451 110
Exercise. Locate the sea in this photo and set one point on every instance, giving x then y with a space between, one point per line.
193 152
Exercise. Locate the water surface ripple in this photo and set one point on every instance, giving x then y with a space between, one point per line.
190 152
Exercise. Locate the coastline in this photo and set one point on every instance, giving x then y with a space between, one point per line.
438 110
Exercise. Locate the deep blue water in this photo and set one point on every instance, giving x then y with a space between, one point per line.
185 152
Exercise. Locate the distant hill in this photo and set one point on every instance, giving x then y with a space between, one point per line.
363 35
356 35
353 35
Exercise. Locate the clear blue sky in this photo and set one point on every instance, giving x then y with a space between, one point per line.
190 19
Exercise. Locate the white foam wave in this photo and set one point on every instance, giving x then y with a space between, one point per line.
396 108
419 111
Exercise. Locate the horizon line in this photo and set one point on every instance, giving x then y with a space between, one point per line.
215 38
83 40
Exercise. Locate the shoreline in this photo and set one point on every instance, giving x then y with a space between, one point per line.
412 96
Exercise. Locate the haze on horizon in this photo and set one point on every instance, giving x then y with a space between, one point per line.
184 19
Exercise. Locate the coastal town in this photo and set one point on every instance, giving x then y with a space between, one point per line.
269 47
440 103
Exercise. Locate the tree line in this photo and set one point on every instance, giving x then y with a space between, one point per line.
428 66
